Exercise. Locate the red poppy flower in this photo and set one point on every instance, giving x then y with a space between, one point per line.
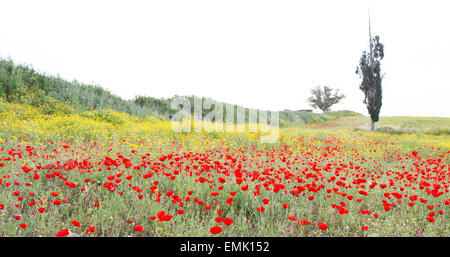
76 223
160 214
215 230
90 230
322 226
70 184
228 221
304 222
138 228
62 233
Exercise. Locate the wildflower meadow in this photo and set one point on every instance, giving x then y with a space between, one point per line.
109 173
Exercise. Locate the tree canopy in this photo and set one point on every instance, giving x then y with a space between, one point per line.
324 98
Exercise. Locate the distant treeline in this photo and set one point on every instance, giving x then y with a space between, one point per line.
53 95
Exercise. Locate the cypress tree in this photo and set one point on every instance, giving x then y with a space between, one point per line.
369 70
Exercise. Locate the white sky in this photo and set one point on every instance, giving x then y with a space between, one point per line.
262 54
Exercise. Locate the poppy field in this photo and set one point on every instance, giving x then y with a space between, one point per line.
112 174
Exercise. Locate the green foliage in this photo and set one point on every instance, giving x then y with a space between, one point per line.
296 118
324 98
38 98
369 70
438 132
17 81
405 130
105 115
390 130
160 106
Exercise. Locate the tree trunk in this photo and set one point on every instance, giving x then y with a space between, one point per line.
372 125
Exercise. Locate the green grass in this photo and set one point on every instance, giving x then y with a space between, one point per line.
393 125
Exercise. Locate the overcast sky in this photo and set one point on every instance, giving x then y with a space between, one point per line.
262 54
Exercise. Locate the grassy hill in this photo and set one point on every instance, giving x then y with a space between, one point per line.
52 94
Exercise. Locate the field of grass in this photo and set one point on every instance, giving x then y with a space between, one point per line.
110 173
395 124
